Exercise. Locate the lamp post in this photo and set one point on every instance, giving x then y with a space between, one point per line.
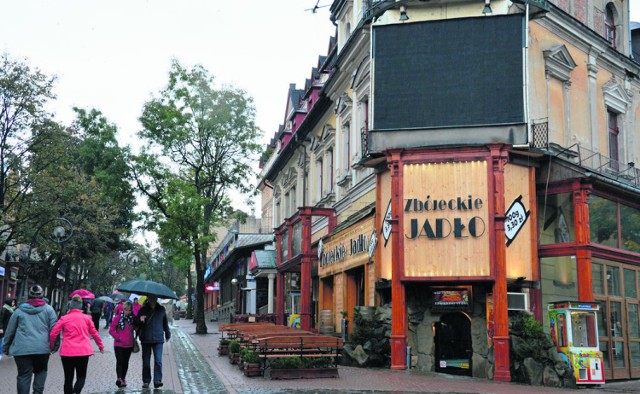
61 233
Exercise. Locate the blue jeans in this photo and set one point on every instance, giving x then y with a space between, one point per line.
157 362
32 365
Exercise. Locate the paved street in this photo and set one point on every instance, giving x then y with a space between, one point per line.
191 365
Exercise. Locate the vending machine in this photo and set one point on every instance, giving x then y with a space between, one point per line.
573 327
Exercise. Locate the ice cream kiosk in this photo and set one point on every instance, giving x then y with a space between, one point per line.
573 327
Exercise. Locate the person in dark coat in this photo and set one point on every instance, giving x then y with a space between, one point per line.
153 328
5 314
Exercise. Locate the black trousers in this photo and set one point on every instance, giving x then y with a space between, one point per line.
123 354
96 320
77 366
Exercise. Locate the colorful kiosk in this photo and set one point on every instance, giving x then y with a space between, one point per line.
573 327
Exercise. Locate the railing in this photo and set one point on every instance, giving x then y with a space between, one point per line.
540 133
624 173
364 135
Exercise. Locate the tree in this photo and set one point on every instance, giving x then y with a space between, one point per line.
23 93
201 141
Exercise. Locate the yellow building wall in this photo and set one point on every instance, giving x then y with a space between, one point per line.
384 248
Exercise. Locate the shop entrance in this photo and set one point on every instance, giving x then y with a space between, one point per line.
354 292
453 344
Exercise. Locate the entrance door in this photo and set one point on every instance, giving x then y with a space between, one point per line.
613 342
453 344
633 336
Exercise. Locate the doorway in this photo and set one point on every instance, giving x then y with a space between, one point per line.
453 344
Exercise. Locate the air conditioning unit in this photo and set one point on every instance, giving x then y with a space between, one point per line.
518 301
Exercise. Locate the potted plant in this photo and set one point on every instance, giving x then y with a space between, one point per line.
251 362
234 351
223 347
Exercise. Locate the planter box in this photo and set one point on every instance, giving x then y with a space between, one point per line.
252 369
223 350
234 358
301 373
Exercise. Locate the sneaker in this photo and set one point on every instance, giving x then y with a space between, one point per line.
124 383
157 385
145 385
119 382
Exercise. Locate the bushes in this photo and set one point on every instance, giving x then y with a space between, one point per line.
250 357
234 346
300 362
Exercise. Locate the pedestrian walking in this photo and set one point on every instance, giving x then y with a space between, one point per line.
136 306
76 347
153 329
26 338
5 314
96 312
108 314
122 331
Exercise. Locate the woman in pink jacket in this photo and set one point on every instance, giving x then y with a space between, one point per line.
76 345
121 330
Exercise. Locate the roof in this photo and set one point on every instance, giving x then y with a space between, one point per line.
246 240
265 258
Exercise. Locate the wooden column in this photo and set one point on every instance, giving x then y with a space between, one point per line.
279 281
398 297
583 256
305 274
501 330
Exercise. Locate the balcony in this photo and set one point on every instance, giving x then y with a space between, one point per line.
624 173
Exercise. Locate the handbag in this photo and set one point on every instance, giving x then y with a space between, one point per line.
136 344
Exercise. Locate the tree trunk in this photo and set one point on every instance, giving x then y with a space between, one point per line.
201 326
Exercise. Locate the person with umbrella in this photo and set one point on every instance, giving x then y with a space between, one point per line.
153 328
122 331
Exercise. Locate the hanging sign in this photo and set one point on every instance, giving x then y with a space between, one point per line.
372 243
386 225
515 218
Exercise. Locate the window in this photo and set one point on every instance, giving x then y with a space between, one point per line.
346 135
610 25
319 178
330 170
613 139
556 219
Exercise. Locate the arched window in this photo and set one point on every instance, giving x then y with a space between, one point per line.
610 24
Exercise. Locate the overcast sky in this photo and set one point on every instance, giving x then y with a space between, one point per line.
112 55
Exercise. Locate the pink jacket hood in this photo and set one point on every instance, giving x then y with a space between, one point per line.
75 328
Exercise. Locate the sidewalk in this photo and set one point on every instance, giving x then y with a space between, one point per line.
191 365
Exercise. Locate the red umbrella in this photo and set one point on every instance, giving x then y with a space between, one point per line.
82 293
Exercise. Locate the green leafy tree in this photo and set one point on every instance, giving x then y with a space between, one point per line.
201 143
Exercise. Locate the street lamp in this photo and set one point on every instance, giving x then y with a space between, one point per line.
61 233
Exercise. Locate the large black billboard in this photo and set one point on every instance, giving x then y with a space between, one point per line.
449 73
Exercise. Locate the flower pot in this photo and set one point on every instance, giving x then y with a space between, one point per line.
223 350
301 373
234 358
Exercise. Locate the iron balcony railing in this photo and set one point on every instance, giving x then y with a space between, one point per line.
625 173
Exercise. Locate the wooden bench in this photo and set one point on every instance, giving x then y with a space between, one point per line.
232 329
299 346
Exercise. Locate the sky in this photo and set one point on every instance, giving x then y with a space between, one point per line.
113 55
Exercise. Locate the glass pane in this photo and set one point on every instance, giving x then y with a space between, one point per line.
603 321
604 348
616 319
598 280
558 281
613 281
630 228
634 349
582 329
632 314
556 219
630 290
618 355
603 221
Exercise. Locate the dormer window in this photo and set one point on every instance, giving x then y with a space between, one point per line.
610 25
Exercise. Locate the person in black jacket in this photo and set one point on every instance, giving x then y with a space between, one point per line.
153 328
5 314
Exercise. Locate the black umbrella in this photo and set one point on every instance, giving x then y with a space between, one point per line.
117 297
147 287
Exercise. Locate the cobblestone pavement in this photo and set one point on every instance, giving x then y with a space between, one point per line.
191 366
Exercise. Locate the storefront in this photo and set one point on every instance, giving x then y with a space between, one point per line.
346 270
457 234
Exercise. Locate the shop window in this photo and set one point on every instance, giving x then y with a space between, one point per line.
634 329
630 228
556 219
613 281
603 221
630 289
598 278
558 280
